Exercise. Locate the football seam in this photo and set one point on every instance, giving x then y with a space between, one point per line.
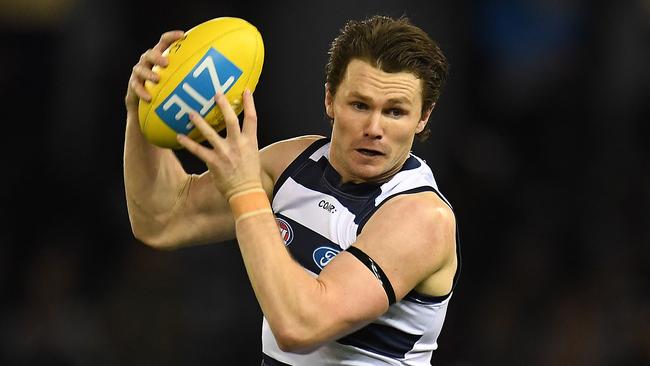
257 48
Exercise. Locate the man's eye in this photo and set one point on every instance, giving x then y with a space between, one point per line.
396 112
359 106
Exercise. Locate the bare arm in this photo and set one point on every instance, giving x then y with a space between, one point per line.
167 207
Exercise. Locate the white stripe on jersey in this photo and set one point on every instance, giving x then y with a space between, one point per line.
322 151
302 205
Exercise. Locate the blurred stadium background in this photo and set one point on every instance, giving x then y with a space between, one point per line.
540 141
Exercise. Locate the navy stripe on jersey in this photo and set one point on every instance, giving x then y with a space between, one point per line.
359 199
410 163
312 177
315 251
295 165
382 340
360 190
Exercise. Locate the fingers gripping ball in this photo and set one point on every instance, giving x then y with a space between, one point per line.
221 54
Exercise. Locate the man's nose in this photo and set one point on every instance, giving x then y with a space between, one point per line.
373 128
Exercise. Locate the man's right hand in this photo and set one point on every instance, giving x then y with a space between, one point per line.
142 71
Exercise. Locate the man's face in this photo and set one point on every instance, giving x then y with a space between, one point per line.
376 116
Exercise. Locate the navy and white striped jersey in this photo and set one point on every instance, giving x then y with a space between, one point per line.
318 218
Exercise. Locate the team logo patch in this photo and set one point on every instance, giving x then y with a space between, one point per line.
323 255
286 232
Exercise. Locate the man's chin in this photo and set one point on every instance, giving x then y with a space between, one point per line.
369 174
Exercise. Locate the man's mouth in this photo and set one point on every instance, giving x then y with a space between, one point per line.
369 152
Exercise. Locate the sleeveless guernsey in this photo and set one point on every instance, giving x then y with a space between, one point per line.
318 218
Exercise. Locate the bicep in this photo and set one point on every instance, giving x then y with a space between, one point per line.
355 296
343 298
201 214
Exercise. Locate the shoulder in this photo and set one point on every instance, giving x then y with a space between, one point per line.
275 158
421 222
426 209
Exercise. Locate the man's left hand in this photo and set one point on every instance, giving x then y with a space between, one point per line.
233 161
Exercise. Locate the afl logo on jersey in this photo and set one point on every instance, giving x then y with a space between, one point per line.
286 232
323 255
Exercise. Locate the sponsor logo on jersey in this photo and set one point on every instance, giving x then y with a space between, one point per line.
196 91
323 255
286 232
327 206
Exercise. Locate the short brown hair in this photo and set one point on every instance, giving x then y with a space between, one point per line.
391 45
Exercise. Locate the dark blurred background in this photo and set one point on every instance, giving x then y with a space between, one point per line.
540 141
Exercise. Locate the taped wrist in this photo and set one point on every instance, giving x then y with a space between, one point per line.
376 271
241 188
249 203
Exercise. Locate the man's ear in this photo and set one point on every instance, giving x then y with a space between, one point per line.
329 101
424 119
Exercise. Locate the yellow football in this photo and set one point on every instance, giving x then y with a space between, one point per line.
221 54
